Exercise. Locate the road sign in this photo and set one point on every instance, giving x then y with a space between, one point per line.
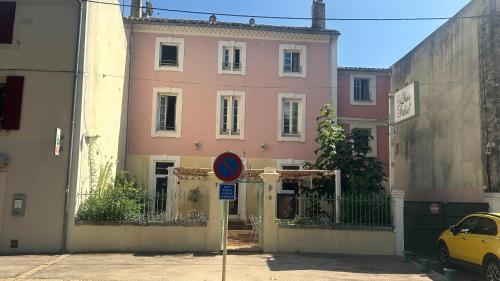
227 191
228 167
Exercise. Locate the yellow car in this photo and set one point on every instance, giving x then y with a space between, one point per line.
473 241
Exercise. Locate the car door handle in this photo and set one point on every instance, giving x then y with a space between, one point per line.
484 241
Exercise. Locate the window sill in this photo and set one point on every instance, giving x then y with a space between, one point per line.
364 103
166 134
169 68
233 72
293 74
292 138
229 137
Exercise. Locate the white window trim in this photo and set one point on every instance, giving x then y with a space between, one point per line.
159 158
241 115
172 203
178 112
243 57
367 125
303 60
179 42
373 88
287 162
302 117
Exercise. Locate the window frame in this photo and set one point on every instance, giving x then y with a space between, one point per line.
14 28
302 49
372 88
3 80
170 41
366 125
153 159
178 112
231 45
241 115
301 126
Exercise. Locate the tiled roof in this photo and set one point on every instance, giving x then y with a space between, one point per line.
365 69
233 25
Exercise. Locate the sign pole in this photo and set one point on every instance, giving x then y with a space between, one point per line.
224 241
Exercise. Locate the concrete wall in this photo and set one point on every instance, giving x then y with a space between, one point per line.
102 105
318 240
126 238
438 153
43 52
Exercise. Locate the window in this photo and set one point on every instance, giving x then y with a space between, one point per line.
363 142
11 95
363 129
292 60
290 185
7 17
363 89
169 54
230 115
291 117
232 57
468 225
486 226
167 112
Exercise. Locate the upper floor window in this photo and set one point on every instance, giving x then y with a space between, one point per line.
363 89
169 54
232 57
291 117
292 60
7 16
368 137
167 112
230 115
11 94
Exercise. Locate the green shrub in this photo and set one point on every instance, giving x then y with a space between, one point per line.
121 201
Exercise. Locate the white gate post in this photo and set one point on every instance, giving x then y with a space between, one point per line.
398 197
269 226
338 194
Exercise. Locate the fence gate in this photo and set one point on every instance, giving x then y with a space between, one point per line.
424 222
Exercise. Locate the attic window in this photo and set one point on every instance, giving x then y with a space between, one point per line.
7 16
169 54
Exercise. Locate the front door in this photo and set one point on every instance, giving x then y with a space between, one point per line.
233 205
161 185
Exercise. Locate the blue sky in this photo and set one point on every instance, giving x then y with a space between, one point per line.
363 44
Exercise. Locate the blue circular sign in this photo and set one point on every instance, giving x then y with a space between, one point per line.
228 167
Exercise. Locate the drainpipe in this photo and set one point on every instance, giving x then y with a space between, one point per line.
72 129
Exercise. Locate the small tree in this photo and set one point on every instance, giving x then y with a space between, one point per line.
348 153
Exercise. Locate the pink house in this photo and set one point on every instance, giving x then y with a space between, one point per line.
363 95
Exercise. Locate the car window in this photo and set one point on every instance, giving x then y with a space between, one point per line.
468 225
486 226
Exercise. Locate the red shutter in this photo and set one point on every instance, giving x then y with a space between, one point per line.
7 15
13 101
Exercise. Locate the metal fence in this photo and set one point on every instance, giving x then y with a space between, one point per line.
312 208
109 207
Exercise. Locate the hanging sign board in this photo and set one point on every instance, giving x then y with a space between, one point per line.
406 102
228 167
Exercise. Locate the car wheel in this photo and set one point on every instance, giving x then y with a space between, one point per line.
492 271
444 255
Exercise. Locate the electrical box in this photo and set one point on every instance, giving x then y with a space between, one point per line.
18 204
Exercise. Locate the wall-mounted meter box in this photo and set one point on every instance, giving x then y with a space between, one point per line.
18 204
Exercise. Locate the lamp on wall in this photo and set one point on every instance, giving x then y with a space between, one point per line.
262 146
196 145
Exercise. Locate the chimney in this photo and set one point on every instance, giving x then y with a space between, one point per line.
318 14
135 9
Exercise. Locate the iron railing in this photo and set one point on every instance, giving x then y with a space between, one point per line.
312 208
106 207
231 66
292 68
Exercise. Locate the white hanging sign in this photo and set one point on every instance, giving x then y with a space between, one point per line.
406 102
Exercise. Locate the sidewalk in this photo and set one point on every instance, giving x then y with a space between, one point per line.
206 266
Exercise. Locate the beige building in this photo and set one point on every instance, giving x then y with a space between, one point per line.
56 73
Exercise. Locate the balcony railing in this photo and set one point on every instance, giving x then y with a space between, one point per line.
231 66
169 63
292 69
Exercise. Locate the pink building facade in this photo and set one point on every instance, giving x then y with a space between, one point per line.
199 89
363 96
